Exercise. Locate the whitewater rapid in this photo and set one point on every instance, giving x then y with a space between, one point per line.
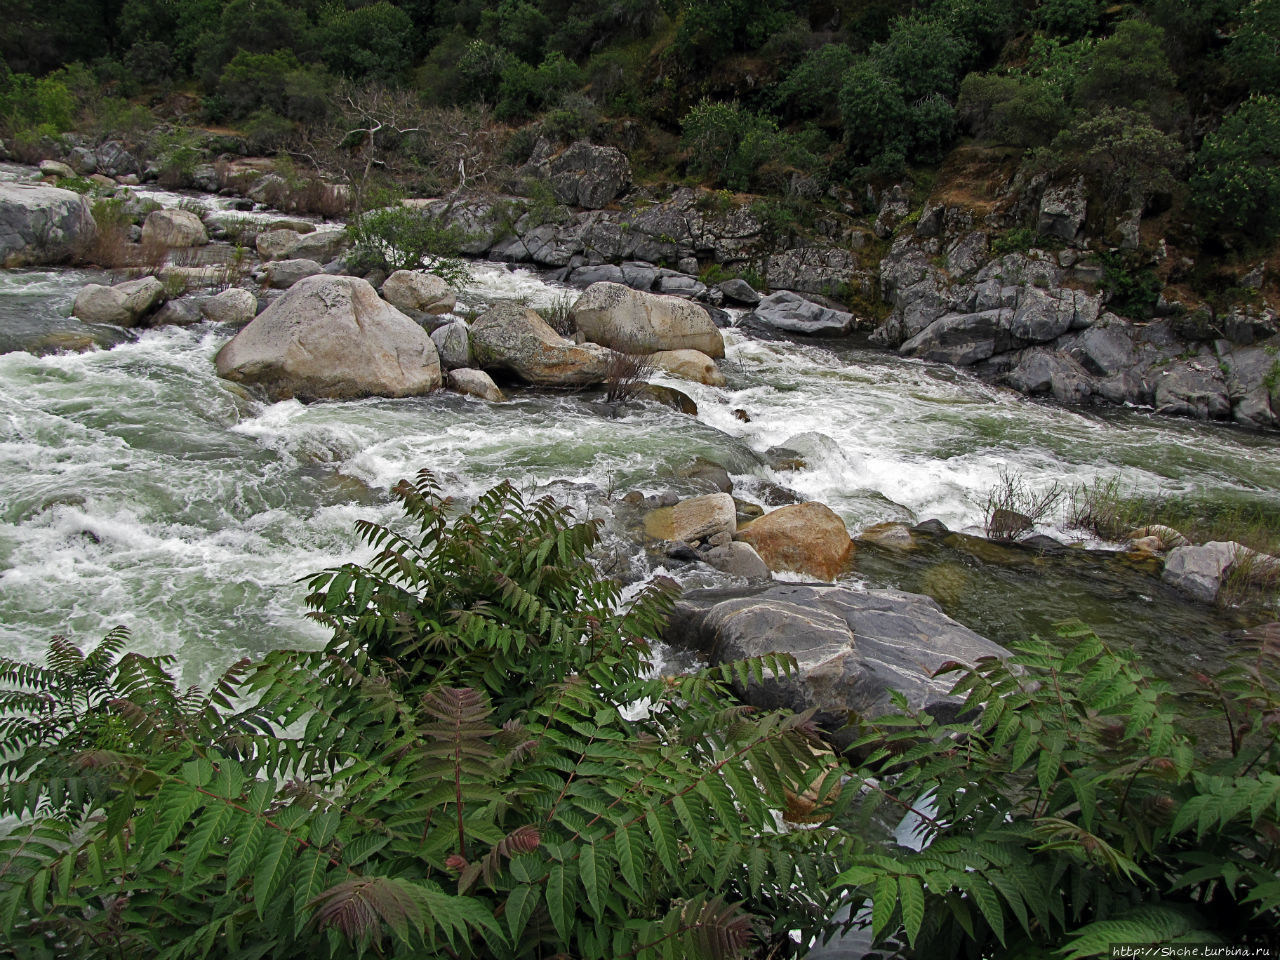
137 488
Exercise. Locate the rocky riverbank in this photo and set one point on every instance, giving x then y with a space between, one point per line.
304 324
938 282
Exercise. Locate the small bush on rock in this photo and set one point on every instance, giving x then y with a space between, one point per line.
399 238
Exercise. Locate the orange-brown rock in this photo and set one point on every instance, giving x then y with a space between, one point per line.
802 537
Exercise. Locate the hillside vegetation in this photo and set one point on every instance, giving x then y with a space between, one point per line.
1170 104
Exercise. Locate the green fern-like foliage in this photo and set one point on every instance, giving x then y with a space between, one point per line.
480 764
1077 803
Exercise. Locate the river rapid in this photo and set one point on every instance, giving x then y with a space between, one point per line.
137 488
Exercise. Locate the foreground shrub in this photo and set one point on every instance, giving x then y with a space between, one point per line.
1078 809
479 763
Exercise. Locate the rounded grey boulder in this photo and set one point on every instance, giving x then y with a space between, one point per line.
852 647
636 322
515 340
123 305
332 338
416 292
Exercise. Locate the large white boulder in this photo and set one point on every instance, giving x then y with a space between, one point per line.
332 338
633 321
41 224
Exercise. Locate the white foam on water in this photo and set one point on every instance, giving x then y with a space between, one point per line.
137 487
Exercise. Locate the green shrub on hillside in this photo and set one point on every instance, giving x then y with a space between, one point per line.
811 89
524 90
714 28
1252 52
1071 19
1236 182
373 42
37 108
740 148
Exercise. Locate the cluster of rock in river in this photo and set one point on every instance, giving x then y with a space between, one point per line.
312 332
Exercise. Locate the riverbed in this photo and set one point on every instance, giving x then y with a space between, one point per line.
137 488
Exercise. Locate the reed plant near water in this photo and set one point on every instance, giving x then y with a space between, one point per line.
1013 506
626 375
558 314
1103 509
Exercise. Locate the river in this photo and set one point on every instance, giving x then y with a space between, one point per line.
137 488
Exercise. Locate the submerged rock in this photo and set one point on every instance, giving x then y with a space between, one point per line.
332 338
852 647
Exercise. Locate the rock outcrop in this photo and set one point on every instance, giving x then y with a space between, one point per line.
852 647
634 322
583 175
622 246
515 340
1033 321
332 338
41 224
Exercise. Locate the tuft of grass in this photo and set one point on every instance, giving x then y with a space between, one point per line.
1101 508
1013 506
558 315
110 247
1251 576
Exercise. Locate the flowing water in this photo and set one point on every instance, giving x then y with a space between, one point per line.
138 488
